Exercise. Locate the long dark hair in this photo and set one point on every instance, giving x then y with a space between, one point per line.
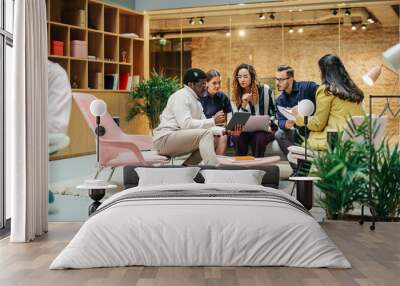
335 77
237 89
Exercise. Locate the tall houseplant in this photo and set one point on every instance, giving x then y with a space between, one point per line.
155 93
345 175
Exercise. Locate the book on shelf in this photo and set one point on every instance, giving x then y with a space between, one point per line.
111 81
124 81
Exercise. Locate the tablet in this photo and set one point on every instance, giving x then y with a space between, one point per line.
257 123
238 118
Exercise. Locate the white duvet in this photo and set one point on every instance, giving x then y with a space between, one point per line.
200 231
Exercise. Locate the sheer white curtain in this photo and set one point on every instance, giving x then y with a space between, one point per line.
26 114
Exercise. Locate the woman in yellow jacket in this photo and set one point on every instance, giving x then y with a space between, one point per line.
337 99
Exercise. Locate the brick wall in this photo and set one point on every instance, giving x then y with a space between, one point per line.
267 48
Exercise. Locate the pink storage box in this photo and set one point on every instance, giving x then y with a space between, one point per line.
78 49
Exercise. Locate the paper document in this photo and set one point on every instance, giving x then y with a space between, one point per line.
287 112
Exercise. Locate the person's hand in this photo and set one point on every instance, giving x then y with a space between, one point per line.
295 110
246 98
219 118
289 124
236 130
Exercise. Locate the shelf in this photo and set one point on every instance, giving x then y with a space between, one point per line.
95 45
79 74
68 12
110 19
96 75
58 57
131 23
58 33
111 48
125 46
100 90
125 64
95 16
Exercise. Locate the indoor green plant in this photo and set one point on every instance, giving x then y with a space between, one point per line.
155 93
343 174
345 177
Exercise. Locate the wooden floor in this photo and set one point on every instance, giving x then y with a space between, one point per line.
375 257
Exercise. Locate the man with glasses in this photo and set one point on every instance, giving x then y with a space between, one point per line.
292 92
183 128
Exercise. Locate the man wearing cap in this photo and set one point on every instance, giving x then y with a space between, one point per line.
183 128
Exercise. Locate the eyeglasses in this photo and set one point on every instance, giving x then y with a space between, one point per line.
242 76
281 79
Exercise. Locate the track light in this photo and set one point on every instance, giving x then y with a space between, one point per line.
370 19
272 16
191 21
291 30
335 12
363 27
353 27
201 20
261 16
300 30
347 12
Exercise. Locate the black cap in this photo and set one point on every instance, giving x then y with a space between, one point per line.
193 75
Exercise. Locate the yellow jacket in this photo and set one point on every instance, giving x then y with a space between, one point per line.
331 112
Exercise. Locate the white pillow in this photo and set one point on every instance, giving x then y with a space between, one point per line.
248 177
166 176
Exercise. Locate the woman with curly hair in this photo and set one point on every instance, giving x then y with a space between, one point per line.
249 96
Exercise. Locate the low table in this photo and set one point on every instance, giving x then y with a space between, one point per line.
305 190
96 193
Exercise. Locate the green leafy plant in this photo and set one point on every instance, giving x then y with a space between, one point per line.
343 178
345 174
155 93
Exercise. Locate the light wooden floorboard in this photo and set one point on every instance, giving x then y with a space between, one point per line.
374 255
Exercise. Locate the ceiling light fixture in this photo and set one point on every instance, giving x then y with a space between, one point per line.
353 27
191 21
201 20
272 16
242 33
228 34
363 27
261 16
300 30
348 12
335 12
291 30
300 10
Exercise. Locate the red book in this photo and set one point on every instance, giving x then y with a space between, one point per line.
123 80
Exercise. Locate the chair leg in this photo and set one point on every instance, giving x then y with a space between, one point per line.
98 172
111 174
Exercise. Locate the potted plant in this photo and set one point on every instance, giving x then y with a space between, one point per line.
345 175
155 93
343 178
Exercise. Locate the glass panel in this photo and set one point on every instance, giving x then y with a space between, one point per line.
8 89
9 15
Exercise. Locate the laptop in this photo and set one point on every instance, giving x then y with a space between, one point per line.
257 123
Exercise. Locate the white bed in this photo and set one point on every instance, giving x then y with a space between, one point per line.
264 229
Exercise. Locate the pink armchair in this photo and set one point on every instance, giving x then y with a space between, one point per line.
118 149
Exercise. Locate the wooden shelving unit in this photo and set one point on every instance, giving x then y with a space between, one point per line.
109 32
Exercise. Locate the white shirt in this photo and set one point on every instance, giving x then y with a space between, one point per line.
60 99
183 111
